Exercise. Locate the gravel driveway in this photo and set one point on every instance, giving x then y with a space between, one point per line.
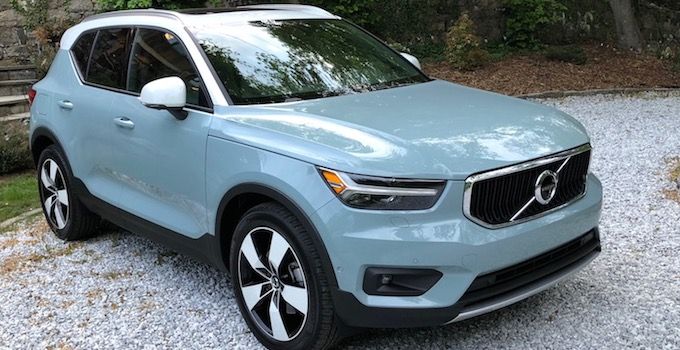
122 291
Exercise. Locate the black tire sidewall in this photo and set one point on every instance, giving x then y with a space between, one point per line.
311 330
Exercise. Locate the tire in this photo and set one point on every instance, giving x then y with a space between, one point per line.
282 273
67 216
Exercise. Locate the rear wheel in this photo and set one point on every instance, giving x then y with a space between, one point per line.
280 286
67 217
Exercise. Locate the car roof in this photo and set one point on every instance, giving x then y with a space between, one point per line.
194 18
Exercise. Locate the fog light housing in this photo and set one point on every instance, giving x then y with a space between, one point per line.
399 282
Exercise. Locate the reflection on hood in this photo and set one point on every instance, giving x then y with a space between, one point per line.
429 130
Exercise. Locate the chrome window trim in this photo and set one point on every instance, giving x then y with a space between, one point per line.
472 179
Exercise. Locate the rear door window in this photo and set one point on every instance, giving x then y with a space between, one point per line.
158 54
108 61
81 51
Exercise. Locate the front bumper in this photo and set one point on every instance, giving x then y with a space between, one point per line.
442 238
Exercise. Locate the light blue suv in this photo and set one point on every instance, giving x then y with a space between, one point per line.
339 185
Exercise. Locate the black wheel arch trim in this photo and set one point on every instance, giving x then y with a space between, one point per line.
42 131
281 198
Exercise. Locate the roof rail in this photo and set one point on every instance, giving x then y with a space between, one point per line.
142 12
291 7
312 10
205 10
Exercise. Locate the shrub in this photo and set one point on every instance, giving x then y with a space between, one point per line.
34 12
569 54
526 18
463 47
14 152
110 5
362 12
428 50
47 30
48 35
398 46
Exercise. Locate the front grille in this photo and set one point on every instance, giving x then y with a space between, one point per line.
497 283
507 196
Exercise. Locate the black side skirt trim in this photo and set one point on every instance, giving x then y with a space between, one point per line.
204 249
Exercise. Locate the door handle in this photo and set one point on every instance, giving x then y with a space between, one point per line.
124 122
65 104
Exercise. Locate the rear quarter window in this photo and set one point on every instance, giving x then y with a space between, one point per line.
81 51
107 62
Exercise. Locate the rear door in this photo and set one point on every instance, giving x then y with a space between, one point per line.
84 102
161 160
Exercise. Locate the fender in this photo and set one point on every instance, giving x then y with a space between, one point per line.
223 238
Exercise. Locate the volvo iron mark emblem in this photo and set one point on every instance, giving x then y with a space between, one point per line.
546 187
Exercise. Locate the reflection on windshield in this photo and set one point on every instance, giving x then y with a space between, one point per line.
278 61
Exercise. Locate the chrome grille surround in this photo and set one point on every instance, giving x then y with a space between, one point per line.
563 157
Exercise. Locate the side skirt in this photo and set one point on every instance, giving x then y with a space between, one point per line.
205 249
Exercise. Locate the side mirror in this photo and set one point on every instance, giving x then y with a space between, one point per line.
412 59
166 93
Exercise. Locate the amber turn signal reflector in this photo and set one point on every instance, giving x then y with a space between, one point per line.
334 181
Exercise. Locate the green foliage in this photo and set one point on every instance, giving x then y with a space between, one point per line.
463 47
47 30
569 54
48 34
43 60
34 12
672 56
499 51
111 5
526 18
398 47
14 152
427 49
18 194
362 12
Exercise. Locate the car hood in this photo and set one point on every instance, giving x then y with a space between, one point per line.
430 130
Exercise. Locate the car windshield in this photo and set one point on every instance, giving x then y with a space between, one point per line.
289 60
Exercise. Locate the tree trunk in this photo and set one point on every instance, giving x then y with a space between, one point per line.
627 29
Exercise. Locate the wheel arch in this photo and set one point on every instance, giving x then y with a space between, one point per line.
241 198
42 138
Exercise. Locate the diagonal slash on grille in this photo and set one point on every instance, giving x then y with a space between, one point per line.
531 201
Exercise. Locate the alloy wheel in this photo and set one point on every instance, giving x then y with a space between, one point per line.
273 284
54 194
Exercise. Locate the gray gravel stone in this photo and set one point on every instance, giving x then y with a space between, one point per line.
122 291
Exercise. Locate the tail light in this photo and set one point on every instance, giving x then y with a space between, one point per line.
31 96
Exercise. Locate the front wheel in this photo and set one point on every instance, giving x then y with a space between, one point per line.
279 282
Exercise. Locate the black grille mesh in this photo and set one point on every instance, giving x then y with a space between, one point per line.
495 201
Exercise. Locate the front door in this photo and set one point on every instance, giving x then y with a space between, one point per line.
161 160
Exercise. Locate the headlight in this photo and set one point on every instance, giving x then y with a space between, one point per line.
380 193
